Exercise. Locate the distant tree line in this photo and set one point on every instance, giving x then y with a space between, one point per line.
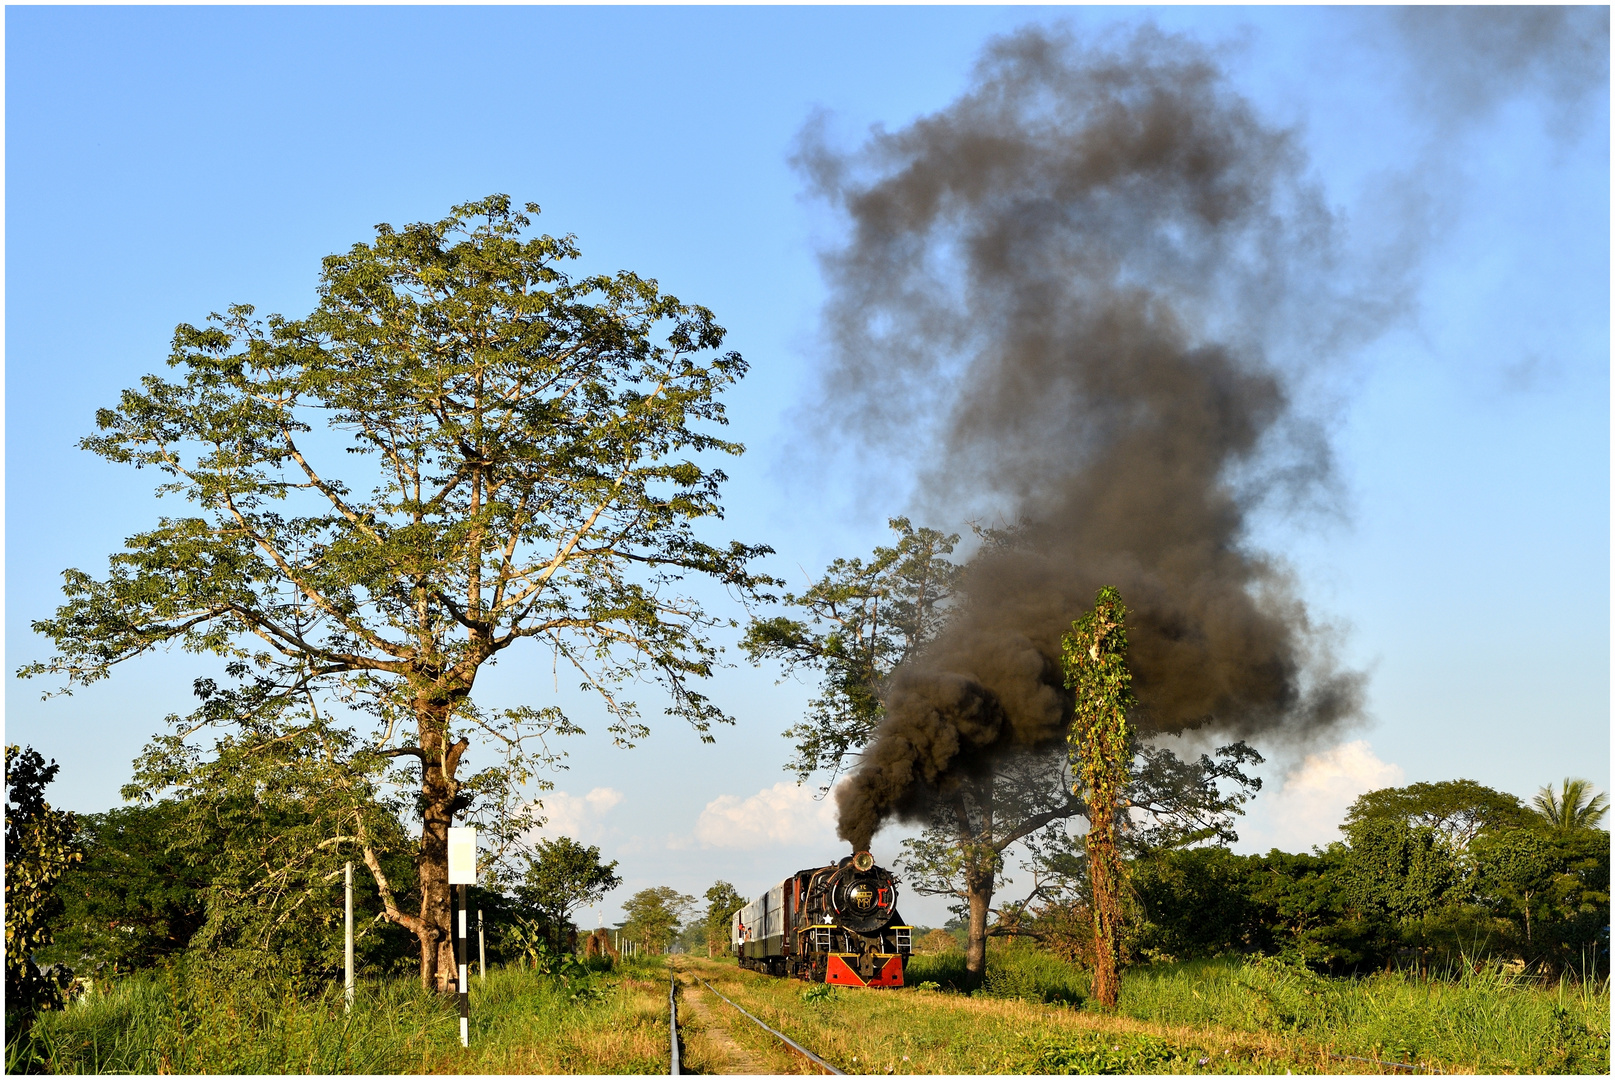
1436 874
1433 875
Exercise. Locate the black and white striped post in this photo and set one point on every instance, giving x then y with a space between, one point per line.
465 983
462 872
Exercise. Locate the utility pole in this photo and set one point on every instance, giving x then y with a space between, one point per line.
347 937
482 949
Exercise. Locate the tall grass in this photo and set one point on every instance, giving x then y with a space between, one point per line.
1016 970
189 1022
1483 1019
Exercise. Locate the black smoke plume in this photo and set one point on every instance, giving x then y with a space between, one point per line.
1087 281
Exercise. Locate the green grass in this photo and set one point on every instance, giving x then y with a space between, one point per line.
1483 1020
173 1022
1225 1016
914 1031
1487 1021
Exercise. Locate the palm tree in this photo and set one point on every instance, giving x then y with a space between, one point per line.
1574 806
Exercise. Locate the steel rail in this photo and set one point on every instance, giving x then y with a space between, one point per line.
781 1036
673 1019
1389 1064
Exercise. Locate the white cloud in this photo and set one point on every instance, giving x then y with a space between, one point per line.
783 814
579 817
1310 806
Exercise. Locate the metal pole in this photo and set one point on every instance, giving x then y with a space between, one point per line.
482 949
347 937
465 989
673 1020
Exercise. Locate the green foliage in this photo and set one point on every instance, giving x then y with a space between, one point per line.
1094 658
1207 902
562 876
196 1022
945 969
858 623
1399 873
139 894
1553 890
723 900
40 849
1473 1017
535 946
654 916
1574 806
1195 903
189 1021
1515 894
1457 810
270 819
1302 912
1021 971
1102 1054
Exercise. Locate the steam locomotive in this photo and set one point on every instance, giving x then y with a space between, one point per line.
833 924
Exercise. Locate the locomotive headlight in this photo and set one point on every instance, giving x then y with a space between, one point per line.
862 896
863 862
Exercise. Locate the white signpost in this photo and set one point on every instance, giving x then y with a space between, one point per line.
347 937
462 872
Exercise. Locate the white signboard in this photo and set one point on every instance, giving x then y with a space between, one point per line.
462 856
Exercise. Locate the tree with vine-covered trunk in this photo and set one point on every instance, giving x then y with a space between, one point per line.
460 450
1094 657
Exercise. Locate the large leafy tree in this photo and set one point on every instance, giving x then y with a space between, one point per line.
654 916
855 625
563 875
1402 877
723 900
1027 802
40 849
460 450
1458 810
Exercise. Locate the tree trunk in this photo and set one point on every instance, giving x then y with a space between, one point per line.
439 802
979 894
1104 875
436 926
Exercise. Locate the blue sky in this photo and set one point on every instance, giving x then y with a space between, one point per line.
163 163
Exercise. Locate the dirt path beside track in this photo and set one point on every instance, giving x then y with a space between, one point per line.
709 1046
717 1040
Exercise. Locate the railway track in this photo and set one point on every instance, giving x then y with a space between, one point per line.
675 1064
